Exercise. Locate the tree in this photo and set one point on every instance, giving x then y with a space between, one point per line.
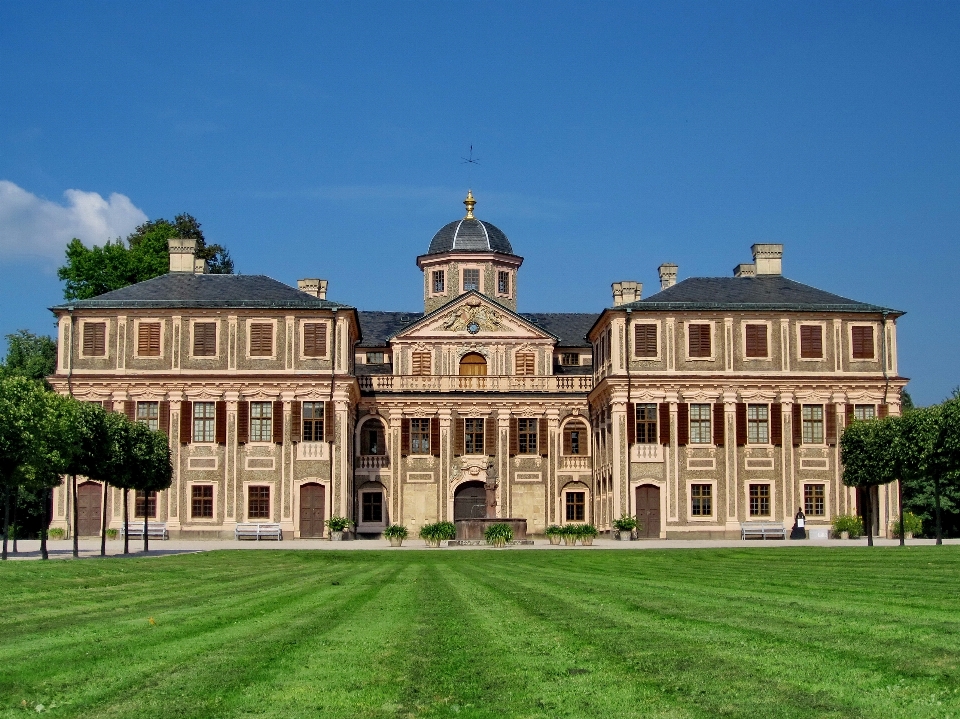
85 447
29 355
150 468
89 272
925 465
868 460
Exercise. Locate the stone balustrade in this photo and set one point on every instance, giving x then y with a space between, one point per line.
574 462
373 461
472 383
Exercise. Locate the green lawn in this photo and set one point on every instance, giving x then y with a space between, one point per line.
759 633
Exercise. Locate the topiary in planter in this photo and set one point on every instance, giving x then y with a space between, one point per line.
587 534
498 535
570 534
396 533
554 533
337 524
625 526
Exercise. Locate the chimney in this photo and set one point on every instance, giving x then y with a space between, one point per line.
745 269
314 288
668 275
626 292
182 255
200 267
767 259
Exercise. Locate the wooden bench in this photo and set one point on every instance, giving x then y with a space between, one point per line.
251 530
763 530
155 530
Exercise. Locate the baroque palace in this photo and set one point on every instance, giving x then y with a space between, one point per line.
714 401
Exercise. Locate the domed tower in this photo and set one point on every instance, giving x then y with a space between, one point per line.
469 254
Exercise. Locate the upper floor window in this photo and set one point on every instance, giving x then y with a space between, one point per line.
526 363
575 438
261 339
312 418
570 359
473 363
527 436
372 439
315 339
204 418
471 280
374 357
473 436
420 363
261 421
700 424
503 283
95 339
439 282
813 424
148 339
756 340
645 340
698 338
862 341
647 423
419 436
811 341
758 424
864 411
204 339
148 413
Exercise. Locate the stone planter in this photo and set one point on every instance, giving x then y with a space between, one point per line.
570 541
396 541
587 541
908 535
554 538
844 535
626 536
432 543
336 536
498 544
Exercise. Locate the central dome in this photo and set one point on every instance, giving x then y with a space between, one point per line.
469 235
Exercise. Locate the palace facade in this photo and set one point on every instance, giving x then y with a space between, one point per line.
714 401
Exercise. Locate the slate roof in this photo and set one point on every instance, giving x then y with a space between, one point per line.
378 326
470 235
188 290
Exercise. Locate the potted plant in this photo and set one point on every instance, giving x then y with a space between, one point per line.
554 533
433 534
570 533
846 526
337 525
396 533
113 533
625 526
587 533
446 531
498 535
912 523
55 533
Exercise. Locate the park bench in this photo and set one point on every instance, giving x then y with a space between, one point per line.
762 530
252 530
155 530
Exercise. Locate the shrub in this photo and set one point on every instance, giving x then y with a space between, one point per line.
338 524
913 523
625 524
848 523
395 531
587 530
58 533
498 534
446 530
570 530
554 530
113 533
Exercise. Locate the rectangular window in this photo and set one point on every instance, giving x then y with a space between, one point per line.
261 421
645 340
312 418
204 418
204 339
864 411
759 500
526 363
261 339
315 339
371 507
473 436
576 506
372 441
756 340
758 424
813 500
419 436
471 280
148 339
258 502
647 423
575 439
701 500
503 283
698 338
201 501
527 436
140 500
811 341
95 339
570 359
439 283
862 338
148 413
700 424
813 424
420 363
374 357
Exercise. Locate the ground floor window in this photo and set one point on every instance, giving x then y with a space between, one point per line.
201 500
813 500
371 505
141 500
701 500
759 500
473 436
258 502
576 506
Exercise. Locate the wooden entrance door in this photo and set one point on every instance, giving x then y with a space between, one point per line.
312 506
470 501
88 509
648 511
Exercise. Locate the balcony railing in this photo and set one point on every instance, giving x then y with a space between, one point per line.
373 461
311 450
472 383
647 453
575 462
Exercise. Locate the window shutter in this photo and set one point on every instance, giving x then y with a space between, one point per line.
776 424
568 439
243 422
645 340
261 339
130 409
95 339
108 405
862 339
683 424
489 436
186 422
204 339
719 424
797 425
458 439
693 340
631 423
831 423
164 417
329 422
88 339
220 422
514 437
405 437
435 436
811 341
296 421
315 339
883 410
421 363
741 424
664 411
278 422
848 415
543 437
148 339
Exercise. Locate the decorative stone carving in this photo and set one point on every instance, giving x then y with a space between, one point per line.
465 318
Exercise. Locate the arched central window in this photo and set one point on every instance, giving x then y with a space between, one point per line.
473 363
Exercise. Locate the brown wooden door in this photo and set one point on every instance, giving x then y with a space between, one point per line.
470 501
88 509
312 506
648 511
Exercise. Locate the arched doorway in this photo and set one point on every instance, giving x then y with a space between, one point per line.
648 511
474 364
88 509
312 509
470 501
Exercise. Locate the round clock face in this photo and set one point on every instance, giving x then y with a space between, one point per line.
473 328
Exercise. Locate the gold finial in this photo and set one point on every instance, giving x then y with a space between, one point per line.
470 203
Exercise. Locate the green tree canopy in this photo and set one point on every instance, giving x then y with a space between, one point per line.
866 450
29 355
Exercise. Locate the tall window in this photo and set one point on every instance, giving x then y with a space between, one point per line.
421 363
315 339
864 411
473 363
204 416
312 418
576 506
95 339
813 500
758 424
700 424
759 500
420 436
204 339
756 340
371 507
701 500
258 502
471 280
261 339
372 438
526 363
473 436
575 439
201 501
503 283
811 341
141 500
647 423
645 340
813 424
261 421
148 413
439 283
862 338
527 435
698 338
148 339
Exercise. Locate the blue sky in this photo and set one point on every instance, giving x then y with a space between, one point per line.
325 140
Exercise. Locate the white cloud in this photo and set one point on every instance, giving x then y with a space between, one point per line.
31 226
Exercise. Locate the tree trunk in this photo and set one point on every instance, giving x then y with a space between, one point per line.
103 522
16 502
903 530
126 525
6 517
43 526
936 508
868 516
146 504
76 516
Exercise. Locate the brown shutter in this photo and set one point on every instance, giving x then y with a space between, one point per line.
664 423
719 424
741 424
631 423
883 410
776 424
831 425
165 417
489 436
568 439
848 415
277 422
404 437
186 422
458 439
296 420
130 409
797 425
543 437
108 405
435 436
220 422
329 422
148 339
243 422
683 424
514 437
